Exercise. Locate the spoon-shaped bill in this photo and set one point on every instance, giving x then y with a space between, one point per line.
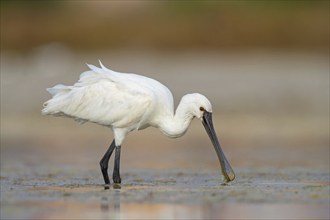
226 169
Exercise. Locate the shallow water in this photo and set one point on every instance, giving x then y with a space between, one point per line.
290 193
47 177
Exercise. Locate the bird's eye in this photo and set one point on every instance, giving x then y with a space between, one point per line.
202 109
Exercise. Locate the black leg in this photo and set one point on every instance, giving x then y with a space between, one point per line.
105 161
116 175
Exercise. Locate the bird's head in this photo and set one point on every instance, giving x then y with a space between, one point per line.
200 107
198 104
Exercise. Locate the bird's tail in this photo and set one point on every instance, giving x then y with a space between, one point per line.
55 105
66 99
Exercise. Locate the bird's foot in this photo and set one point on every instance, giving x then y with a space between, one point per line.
106 186
116 182
116 186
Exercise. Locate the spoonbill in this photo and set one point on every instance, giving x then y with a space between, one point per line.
126 102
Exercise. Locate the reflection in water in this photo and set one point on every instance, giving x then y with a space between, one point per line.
104 204
111 206
111 209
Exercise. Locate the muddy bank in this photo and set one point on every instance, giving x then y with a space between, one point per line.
258 193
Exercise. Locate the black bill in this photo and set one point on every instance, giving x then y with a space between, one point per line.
226 169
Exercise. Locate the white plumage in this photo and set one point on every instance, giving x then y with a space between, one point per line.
120 101
128 102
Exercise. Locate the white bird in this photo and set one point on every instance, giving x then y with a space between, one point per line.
128 102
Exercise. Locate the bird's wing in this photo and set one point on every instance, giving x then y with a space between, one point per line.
104 97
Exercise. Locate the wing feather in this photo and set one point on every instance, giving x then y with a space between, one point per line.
103 97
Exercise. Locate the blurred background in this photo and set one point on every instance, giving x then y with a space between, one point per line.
263 64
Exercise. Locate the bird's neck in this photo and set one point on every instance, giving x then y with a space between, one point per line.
176 125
